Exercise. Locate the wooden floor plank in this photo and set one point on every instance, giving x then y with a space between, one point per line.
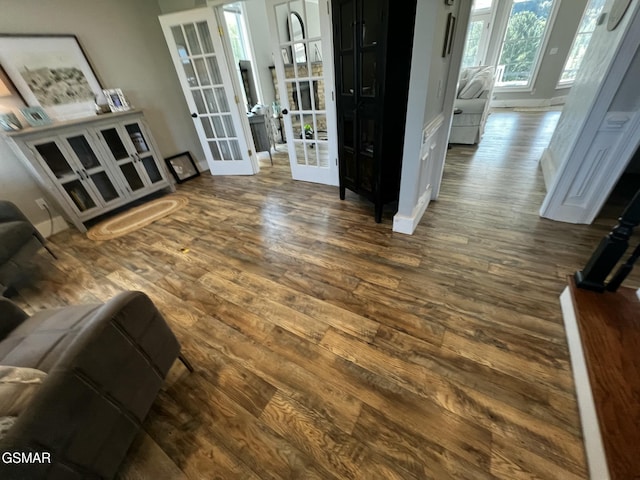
327 346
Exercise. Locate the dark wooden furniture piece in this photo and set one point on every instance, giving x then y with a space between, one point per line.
260 133
373 42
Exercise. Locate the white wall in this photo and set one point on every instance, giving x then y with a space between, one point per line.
260 38
124 42
599 129
429 110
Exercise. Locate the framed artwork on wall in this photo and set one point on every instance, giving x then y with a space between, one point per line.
51 72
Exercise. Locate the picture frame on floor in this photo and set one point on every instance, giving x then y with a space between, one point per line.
182 167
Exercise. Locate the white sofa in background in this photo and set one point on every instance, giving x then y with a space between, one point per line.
475 88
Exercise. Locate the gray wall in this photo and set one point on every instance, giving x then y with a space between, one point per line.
258 27
561 37
124 42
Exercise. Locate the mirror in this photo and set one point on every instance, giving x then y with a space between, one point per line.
296 34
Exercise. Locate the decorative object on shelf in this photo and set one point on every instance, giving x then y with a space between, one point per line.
52 72
182 167
449 35
9 122
35 116
116 100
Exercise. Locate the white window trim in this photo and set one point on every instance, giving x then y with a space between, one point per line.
541 52
569 83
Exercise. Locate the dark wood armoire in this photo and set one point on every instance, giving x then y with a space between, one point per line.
373 42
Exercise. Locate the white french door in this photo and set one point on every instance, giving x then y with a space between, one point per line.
303 57
196 49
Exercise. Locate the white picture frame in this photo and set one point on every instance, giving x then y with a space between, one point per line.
51 72
116 100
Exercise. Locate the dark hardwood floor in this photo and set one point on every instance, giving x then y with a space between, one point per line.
328 347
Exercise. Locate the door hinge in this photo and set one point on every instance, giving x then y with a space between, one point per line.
336 162
249 152
333 96
220 31
328 11
236 98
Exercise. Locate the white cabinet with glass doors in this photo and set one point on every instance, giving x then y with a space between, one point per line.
93 165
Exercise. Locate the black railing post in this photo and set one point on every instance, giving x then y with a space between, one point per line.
610 250
623 271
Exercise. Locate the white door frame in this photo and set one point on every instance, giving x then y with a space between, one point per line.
325 175
248 165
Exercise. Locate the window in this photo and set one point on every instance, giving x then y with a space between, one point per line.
237 33
581 42
475 47
526 29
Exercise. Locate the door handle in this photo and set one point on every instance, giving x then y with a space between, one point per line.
285 111
194 115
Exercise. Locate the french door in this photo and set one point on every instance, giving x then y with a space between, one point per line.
196 48
303 57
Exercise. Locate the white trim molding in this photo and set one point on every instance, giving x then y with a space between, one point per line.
428 152
596 458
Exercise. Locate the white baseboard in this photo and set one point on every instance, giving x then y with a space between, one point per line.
528 102
59 224
594 447
548 167
407 225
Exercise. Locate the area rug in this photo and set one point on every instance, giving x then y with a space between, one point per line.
137 217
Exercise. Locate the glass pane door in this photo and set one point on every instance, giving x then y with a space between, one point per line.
93 171
126 162
79 195
143 154
54 159
302 36
198 56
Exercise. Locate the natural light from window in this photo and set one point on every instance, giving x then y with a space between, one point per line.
523 40
581 42
477 34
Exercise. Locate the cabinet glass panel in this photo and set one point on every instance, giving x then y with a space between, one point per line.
79 195
347 74
131 175
137 138
367 136
54 158
104 186
84 152
371 17
152 169
348 132
368 74
346 25
114 143
366 173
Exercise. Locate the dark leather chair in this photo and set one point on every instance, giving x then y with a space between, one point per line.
19 243
105 365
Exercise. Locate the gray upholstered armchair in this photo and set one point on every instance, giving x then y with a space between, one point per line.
19 242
